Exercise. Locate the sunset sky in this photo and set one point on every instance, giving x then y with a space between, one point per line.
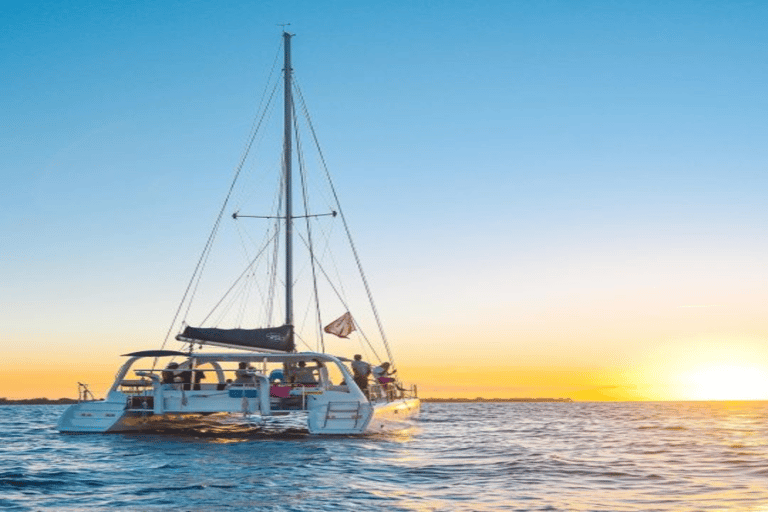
552 199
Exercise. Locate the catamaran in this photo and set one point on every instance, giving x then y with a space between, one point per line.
259 374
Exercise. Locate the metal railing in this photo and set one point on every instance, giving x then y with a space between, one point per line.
390 391
83 393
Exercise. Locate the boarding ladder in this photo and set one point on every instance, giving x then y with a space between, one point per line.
343 411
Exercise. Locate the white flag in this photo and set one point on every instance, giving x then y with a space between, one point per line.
342 326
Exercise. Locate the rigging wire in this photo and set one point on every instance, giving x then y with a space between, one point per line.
346 226
242 234
310 247
271 283
194 283
342 300
242 274
266 295
226 200
297 335
197 273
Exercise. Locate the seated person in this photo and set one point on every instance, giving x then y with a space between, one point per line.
304 375
168 376
185 377
243 373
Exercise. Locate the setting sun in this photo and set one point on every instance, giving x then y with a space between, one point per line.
727 382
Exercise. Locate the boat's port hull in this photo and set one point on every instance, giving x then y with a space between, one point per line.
93 416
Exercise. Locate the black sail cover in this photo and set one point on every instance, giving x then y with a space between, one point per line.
271 338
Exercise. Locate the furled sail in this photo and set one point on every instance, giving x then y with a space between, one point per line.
271 338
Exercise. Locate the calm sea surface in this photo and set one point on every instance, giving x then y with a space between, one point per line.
478 457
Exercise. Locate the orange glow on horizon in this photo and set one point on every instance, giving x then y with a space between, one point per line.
695 369
714 382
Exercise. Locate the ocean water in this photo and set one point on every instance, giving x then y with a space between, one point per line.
453 457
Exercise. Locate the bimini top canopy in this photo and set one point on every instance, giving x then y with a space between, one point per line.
155 353
271 357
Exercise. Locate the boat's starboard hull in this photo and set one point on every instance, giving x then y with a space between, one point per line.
394 415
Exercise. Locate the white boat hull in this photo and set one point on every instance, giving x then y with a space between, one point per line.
149 404
344 418
91 417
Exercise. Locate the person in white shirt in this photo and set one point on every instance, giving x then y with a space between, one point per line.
360 372
305 375
243 373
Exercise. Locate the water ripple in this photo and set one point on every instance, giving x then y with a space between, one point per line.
458 457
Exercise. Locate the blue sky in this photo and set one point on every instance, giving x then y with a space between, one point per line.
498 159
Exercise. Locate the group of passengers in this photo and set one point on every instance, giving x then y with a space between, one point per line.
362 371
174 375
299 374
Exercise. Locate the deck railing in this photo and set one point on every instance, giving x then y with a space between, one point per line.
390 391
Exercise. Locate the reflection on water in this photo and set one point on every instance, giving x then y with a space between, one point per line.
470 457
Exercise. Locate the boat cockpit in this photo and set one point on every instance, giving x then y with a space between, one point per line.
205 379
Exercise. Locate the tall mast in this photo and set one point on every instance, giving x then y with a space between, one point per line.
287 146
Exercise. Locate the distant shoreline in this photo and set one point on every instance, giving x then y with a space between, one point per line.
67 401
38 401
